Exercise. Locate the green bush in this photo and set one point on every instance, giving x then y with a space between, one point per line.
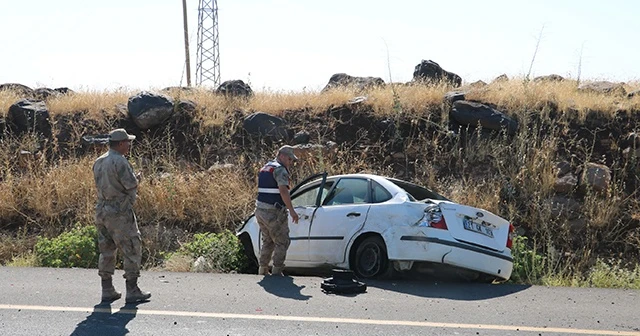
222 252
528 266
75 248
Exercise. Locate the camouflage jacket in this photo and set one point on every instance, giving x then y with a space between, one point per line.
115 180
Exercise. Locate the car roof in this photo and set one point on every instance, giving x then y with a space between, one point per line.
382 180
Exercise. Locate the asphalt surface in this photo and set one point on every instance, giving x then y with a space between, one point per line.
44 301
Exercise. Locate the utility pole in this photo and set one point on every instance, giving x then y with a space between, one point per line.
208 54
186 42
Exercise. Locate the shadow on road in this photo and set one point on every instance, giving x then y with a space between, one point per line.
283 287
103 321
447 290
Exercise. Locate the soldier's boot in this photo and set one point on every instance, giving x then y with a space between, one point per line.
263 270
134 294
277 271
109 292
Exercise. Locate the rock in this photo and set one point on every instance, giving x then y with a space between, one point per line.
478 84
357 101
472 113
171 89
549 78
19 89
3 128
501 78
454 96
632 94
45 93
186 106
562 168
149 110
64 90
307 151
563 207
565 184
596 176
301 137
342 80
603 87
221 166
431 72
201 265
234 88
28 115
266 125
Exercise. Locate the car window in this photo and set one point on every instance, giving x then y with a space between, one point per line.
309 196
349 191
380 194
417 192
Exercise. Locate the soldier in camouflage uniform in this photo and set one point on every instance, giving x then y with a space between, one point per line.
117 187
271 210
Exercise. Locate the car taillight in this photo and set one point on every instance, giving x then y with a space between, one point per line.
433 218
511 236
440 224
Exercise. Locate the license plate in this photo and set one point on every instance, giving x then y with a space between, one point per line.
477 228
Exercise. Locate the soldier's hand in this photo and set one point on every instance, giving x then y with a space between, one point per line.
294 216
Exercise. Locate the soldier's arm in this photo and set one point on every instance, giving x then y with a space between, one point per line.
282 178
127 178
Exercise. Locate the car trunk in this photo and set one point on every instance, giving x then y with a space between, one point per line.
476 226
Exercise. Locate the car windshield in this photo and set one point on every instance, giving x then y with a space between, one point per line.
416 191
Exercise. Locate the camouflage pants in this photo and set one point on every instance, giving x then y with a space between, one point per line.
118 230
275 236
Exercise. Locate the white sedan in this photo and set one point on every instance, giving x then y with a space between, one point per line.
377 226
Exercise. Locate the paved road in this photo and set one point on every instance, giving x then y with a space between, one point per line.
44 301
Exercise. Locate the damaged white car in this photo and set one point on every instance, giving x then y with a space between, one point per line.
377 226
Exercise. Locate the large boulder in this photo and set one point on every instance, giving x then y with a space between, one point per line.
235 88
603 87
265 125
45 93
148 110
341 80
19 89
28 115
596 176
430 71
472 113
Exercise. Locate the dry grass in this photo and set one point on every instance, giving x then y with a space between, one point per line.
519 95
177 196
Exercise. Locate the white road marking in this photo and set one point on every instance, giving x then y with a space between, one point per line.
324 320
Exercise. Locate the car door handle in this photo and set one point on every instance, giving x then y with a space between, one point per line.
304 216
353 214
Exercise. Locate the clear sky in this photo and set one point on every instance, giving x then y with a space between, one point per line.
290 45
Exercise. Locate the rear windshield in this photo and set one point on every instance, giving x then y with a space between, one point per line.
417 191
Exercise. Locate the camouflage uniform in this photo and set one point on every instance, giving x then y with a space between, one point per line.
274 225
116 223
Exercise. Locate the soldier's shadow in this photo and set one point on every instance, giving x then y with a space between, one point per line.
283 287
103 321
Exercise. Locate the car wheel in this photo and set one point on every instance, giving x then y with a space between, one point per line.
371 259
251 266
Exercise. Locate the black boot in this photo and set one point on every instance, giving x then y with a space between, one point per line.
134 294
109 293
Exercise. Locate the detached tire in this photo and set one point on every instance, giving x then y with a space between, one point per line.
371 260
